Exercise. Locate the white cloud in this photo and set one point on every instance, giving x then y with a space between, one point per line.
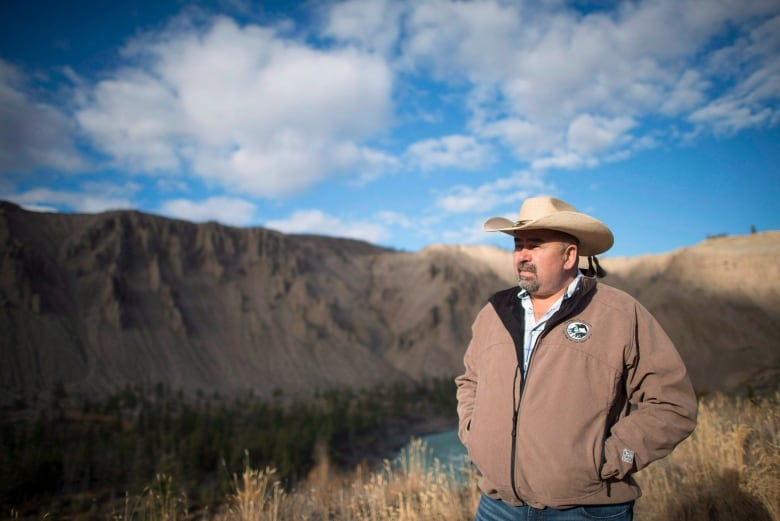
32 134
752 63
470 232
89 199
265 111
136 119
592 135
226 210
524 139
454 152
289 162
728 115
545 67
240 106
320 223
475 40
562 159
372 24
486 197
391 218
686 94
42 208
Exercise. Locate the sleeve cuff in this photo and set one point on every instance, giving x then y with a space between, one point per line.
618 459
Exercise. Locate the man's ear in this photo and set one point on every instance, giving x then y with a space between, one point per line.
571 257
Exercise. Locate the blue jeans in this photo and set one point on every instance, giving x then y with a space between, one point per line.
496 510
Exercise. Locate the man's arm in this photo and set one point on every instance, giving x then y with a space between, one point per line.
664 403
467 391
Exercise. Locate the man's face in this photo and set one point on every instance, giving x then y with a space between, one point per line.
543 261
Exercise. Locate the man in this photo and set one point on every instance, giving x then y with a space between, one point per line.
570 385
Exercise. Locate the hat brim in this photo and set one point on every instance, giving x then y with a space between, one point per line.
593 236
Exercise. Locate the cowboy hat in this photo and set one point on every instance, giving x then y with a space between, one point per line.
549 213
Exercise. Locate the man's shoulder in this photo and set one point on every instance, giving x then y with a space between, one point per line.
610 294
612 290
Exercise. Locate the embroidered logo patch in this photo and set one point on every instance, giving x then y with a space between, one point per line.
628 456
578 331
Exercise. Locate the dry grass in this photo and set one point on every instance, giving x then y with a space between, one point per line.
258 497
159 502
413 487
729 469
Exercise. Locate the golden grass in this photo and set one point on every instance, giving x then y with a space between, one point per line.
159 502
729 469
412 487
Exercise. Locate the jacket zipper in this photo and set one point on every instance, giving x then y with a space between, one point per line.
554 320
515 415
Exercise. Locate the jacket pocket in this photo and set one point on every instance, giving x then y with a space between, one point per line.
488 437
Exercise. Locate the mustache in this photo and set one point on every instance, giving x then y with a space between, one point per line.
526 266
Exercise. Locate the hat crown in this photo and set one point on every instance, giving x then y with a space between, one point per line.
548 213
537 207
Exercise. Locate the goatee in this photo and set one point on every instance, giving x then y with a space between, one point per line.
530 284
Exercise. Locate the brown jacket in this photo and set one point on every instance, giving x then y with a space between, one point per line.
606 393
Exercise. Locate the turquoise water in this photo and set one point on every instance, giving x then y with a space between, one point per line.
447 448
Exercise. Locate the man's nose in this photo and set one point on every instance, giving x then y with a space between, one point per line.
522 254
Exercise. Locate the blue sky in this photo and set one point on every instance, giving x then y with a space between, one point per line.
402 123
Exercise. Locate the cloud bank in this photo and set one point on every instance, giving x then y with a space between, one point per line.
264 111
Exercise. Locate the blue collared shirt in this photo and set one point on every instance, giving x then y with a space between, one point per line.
533 328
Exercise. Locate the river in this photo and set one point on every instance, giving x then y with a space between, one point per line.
447 448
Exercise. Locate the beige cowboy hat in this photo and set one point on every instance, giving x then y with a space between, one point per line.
548 213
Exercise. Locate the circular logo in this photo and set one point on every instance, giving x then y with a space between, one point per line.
578 331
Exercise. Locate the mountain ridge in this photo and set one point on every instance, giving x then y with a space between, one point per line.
96 302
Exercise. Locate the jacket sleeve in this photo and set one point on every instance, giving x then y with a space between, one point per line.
467 388
663 405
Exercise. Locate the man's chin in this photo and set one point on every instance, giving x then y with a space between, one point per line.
529 286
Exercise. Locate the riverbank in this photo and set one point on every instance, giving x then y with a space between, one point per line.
396 435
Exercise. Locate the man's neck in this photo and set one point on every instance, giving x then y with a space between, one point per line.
542 303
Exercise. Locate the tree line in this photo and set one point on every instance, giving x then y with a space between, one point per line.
62 454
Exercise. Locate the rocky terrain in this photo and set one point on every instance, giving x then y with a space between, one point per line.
94 303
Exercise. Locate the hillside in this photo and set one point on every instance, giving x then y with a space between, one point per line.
98 302
720 302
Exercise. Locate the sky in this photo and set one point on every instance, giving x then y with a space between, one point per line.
401 123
